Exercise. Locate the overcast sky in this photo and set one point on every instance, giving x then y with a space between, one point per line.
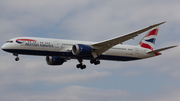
31 79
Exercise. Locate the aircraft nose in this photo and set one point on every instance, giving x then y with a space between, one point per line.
3 47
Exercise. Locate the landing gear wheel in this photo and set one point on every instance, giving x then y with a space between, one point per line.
17 59
77 66
92 61
95 62
81 66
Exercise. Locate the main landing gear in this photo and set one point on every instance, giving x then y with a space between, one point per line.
94 61
17 58
81 64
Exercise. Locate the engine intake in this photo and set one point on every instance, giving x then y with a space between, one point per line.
51 60
81 50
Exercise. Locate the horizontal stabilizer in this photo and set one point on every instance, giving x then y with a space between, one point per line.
162 49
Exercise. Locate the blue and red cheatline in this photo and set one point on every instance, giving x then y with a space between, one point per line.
21 40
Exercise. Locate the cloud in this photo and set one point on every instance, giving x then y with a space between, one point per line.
169 93
78 93
131 73
73 93
110 19
32 70
92 20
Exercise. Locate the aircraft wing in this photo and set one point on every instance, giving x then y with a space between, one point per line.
103 46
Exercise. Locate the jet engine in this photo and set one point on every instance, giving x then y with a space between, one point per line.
81 50
51 60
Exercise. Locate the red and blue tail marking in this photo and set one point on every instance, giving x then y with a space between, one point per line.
149 40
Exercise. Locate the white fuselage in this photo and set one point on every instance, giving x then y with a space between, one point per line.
58 51
63 48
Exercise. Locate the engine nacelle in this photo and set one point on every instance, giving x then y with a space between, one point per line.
81 50
51 60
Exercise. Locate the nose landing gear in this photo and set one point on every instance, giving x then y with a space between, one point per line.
17 58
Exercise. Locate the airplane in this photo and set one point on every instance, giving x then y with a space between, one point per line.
58 51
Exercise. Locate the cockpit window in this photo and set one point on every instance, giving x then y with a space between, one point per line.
9 41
